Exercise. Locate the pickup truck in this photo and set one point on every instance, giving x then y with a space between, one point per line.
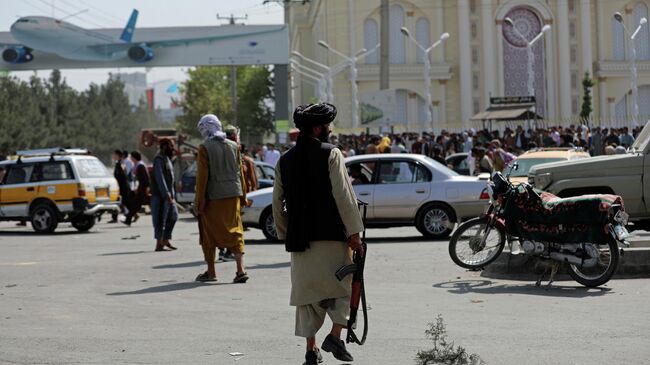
627 175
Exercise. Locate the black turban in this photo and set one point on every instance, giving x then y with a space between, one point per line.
312 115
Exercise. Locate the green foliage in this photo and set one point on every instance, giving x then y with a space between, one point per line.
587 84
444 352
43 113
207 90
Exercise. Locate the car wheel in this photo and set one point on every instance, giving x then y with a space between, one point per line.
267 224
44 218
83 223
435 221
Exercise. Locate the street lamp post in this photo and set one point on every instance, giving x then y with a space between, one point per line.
310 73
353 75
633 72
328 75
427 69
529 51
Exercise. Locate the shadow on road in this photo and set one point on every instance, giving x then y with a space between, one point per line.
32 233
123 253
167 288
180 265
278 265
488 287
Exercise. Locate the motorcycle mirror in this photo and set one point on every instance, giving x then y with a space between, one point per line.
515 166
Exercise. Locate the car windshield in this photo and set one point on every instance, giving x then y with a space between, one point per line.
441 167
90 168
526 163
642 139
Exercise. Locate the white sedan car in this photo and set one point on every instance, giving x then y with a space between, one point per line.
401 190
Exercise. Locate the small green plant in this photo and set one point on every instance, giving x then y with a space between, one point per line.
444 352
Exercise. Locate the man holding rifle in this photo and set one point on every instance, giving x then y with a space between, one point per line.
316 214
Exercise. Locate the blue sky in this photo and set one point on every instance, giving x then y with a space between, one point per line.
153 13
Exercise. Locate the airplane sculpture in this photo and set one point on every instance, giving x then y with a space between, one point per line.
51 35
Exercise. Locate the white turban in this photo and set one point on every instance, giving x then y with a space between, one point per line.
210 127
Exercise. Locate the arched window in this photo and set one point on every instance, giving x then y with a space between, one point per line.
401 97
618 37
370 39
644 103
397 45
423 36
641 40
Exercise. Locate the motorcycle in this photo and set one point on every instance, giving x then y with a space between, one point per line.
583 232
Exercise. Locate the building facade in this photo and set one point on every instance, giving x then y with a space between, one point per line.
483 57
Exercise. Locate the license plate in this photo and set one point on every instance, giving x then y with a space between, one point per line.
621 232
101 193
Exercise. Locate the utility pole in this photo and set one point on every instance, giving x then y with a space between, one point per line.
233 70
384 53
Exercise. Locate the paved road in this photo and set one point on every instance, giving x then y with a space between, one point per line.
106 297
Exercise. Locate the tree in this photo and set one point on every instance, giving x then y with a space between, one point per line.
42 113
207 90
587 84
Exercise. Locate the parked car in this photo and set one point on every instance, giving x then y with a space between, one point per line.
538 156
401 190
625 175
458 162
50 186
265 176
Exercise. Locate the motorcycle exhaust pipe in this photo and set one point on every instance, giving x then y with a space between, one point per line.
574 260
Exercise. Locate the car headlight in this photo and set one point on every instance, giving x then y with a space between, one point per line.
542 181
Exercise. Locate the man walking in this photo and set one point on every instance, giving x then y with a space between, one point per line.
122 183
163 208
220 194
320 225
139 195
272 156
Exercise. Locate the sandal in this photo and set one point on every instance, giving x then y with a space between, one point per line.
240 278
169 245
205 278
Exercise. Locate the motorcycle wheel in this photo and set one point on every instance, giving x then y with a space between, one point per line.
466 248
603 271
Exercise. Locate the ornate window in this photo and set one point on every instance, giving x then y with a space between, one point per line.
370 39
401 97
515 57
642 39
423 36
397 40
644 103
620 110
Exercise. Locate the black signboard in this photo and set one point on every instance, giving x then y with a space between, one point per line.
512 100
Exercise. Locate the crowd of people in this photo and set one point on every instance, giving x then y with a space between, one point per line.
492 150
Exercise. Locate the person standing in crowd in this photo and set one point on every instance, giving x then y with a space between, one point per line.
319 227
164 213
484 162
272 156
138 197
626 138
437 155
249 170
122 183
220 194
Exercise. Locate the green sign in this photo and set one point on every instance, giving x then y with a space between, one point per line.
282 126
4 73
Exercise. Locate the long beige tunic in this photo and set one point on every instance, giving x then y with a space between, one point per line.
312 271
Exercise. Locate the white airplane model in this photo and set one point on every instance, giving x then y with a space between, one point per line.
71 42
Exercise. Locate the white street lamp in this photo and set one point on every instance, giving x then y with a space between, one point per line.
314 75
353 75
328 75
633 72
529 51
427 69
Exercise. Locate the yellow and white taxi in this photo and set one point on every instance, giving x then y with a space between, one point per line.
54 185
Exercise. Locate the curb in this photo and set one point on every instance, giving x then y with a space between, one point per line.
634 263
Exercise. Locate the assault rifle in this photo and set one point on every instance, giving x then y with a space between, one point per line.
358 288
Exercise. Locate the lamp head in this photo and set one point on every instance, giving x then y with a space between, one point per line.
297 54
444 36
546 28
361 51
405 31
324 44
619 17
643 21
509 21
